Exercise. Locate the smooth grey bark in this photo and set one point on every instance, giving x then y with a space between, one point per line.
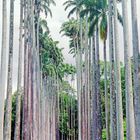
86 92
30 87
113 119
90 89
25 134
136 58
79 82
120 131
8 107
83 109
19 80
37 9
99 112
128 75
57 107
106 93
34 69
94 90
42 115
3 66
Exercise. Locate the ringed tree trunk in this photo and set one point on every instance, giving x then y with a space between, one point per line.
57 107
25 122
37 62
90 90
136 57
19 84
128 75
106 93
34 70
99 112
79 82
3 66
86 91
120 132
8 108
94 90
113 125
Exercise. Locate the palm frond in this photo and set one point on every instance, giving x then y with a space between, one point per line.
72 11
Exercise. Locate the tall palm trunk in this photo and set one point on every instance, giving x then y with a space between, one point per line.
94 90
36 96
99 113
25 94
79 82
37 66
113 122
3 66
128 75
106 94
57 108
136 58
120 134
90 91
7 123
86 92
19 84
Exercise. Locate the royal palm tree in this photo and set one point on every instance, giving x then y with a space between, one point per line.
32 76
120 134
45 6
128 75
83 13
70 29
100 9
75 4
136 58
19 83
8 107
113 122
97 16
76 8
103 35
3 66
